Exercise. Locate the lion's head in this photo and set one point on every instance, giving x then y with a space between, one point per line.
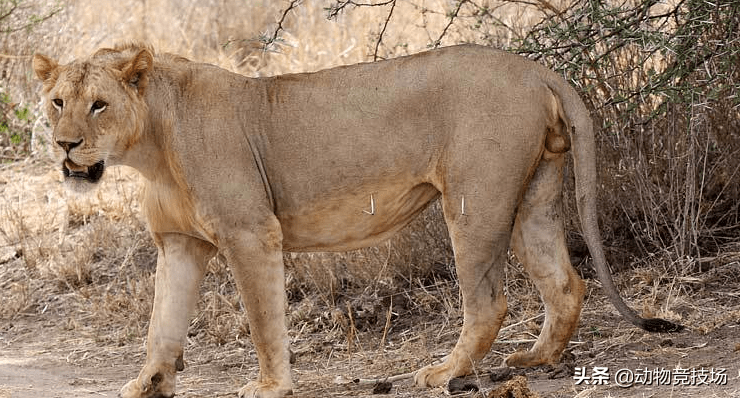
96 109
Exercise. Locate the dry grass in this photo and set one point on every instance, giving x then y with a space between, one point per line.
85 265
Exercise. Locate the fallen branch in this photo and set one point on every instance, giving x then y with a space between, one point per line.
361 381
390 379
9 56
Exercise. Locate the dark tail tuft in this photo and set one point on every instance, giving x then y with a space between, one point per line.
659 325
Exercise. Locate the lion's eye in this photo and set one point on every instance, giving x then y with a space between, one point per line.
98 106
58 103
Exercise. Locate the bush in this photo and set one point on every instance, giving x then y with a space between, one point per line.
16 118
15 130
661 80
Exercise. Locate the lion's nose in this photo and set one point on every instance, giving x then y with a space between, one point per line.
68 145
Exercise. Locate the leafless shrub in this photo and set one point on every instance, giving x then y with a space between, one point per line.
662 80
655 74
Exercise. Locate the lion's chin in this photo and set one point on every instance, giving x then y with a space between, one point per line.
82 178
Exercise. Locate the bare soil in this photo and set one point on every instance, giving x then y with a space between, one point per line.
39 360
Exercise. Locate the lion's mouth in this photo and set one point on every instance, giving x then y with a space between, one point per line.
90 174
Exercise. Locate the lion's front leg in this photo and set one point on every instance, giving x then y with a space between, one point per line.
181 264
256 261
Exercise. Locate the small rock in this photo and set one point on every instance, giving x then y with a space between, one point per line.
382 387
460 386
500 374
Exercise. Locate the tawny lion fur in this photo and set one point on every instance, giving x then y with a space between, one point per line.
251 167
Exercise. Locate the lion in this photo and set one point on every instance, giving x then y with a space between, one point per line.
248 168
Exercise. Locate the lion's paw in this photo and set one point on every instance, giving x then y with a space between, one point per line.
255 389
149 386
524 359
434 375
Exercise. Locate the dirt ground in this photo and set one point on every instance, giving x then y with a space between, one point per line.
39 360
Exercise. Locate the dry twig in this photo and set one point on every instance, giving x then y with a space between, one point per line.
267 42
452 17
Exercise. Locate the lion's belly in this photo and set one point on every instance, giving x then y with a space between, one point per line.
352 220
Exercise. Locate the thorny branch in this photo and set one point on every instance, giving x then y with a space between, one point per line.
10 10
382 32
269 41
340 5
34 20
452 17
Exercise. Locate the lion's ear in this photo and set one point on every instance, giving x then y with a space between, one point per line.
44 67
135 72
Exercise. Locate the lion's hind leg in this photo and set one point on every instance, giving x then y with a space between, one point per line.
539 242
480 235
255 258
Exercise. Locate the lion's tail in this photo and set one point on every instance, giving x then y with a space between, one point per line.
580 126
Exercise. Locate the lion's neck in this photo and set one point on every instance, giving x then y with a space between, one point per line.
147 159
